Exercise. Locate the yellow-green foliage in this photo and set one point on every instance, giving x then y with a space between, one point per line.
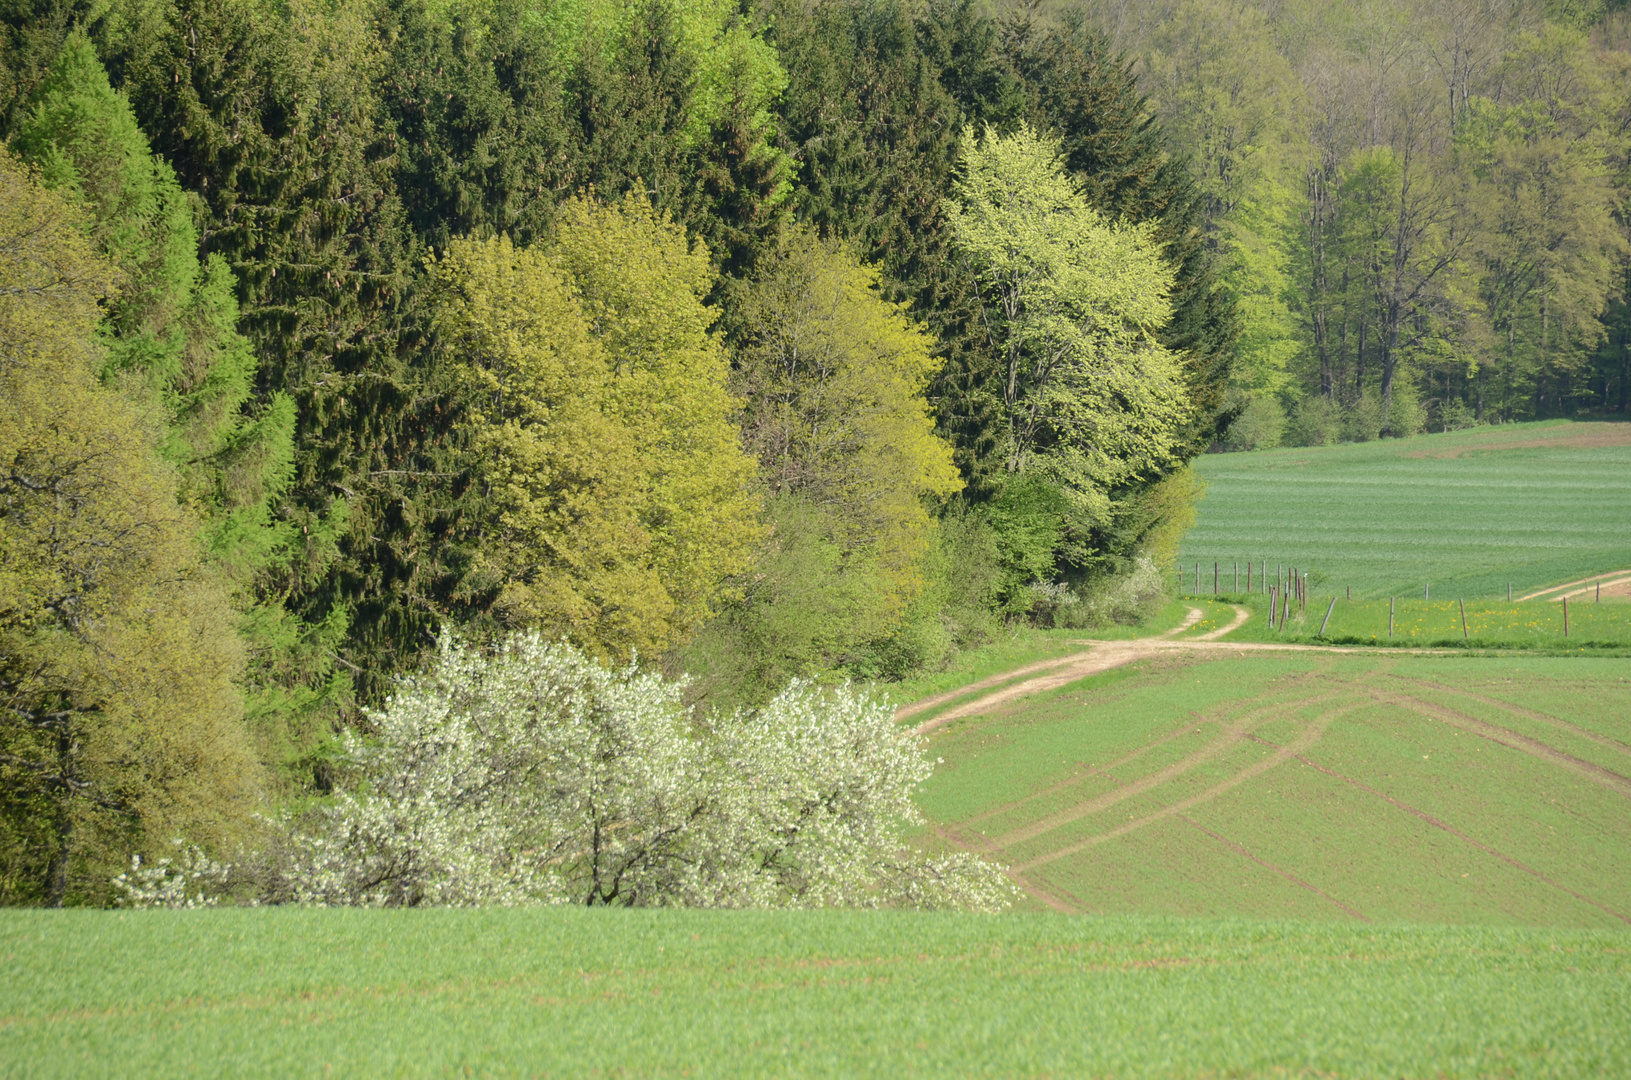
1169 506
120 721
602 425
834 377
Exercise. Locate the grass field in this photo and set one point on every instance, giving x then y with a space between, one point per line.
1309 785
250 993
1490 624
1467 512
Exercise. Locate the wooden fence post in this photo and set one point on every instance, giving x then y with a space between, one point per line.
1509 592
1248 575
1350 592
1463 602
1390 616
1328 611
1427 591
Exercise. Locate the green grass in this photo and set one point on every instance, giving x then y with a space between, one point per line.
1309 785
593 993
1468 512
1534 625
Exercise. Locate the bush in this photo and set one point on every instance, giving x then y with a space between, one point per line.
1405 414
1126 598
1365 418
1260 426
1315 421
537 776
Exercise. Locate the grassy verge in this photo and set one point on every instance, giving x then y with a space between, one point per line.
1531 626
252 993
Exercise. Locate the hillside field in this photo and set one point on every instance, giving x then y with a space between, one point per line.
556 993
1468 512
1308 785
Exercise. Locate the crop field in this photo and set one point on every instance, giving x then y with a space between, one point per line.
1467 513
1233 781
250 993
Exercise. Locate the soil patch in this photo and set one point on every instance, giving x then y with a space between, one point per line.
1585 435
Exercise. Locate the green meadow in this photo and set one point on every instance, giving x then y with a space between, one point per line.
1467 513
1533 625
573 993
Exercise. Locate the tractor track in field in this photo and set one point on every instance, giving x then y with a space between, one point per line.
1452 830
1528 714
1280 870
1191 725
1239 722
1304 741
1230 737
1506 737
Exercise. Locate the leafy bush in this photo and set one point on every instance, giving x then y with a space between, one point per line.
1260 426
537 776
1315 421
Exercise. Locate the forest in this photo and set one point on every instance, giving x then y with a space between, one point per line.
366 362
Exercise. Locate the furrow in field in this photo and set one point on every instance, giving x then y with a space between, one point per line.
1229 738
1304 741
1453 831
1527 714
1280 870
1505 737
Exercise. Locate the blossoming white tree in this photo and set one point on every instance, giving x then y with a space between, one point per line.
535 775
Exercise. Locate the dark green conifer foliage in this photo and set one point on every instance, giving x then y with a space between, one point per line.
31 36
173 329
875 135
271 115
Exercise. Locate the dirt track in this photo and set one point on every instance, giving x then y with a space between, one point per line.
1616 583
1103 656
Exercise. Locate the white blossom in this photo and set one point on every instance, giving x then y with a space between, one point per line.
535 775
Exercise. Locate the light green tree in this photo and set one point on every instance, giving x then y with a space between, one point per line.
121 721
1072 304
832 378
600 425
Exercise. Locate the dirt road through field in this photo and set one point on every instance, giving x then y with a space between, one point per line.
1052 674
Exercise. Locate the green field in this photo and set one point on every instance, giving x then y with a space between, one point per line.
1309 785
1490 624
1468 512
1242 856
577 993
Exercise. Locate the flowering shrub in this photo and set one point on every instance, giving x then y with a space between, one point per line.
535 776
192 880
